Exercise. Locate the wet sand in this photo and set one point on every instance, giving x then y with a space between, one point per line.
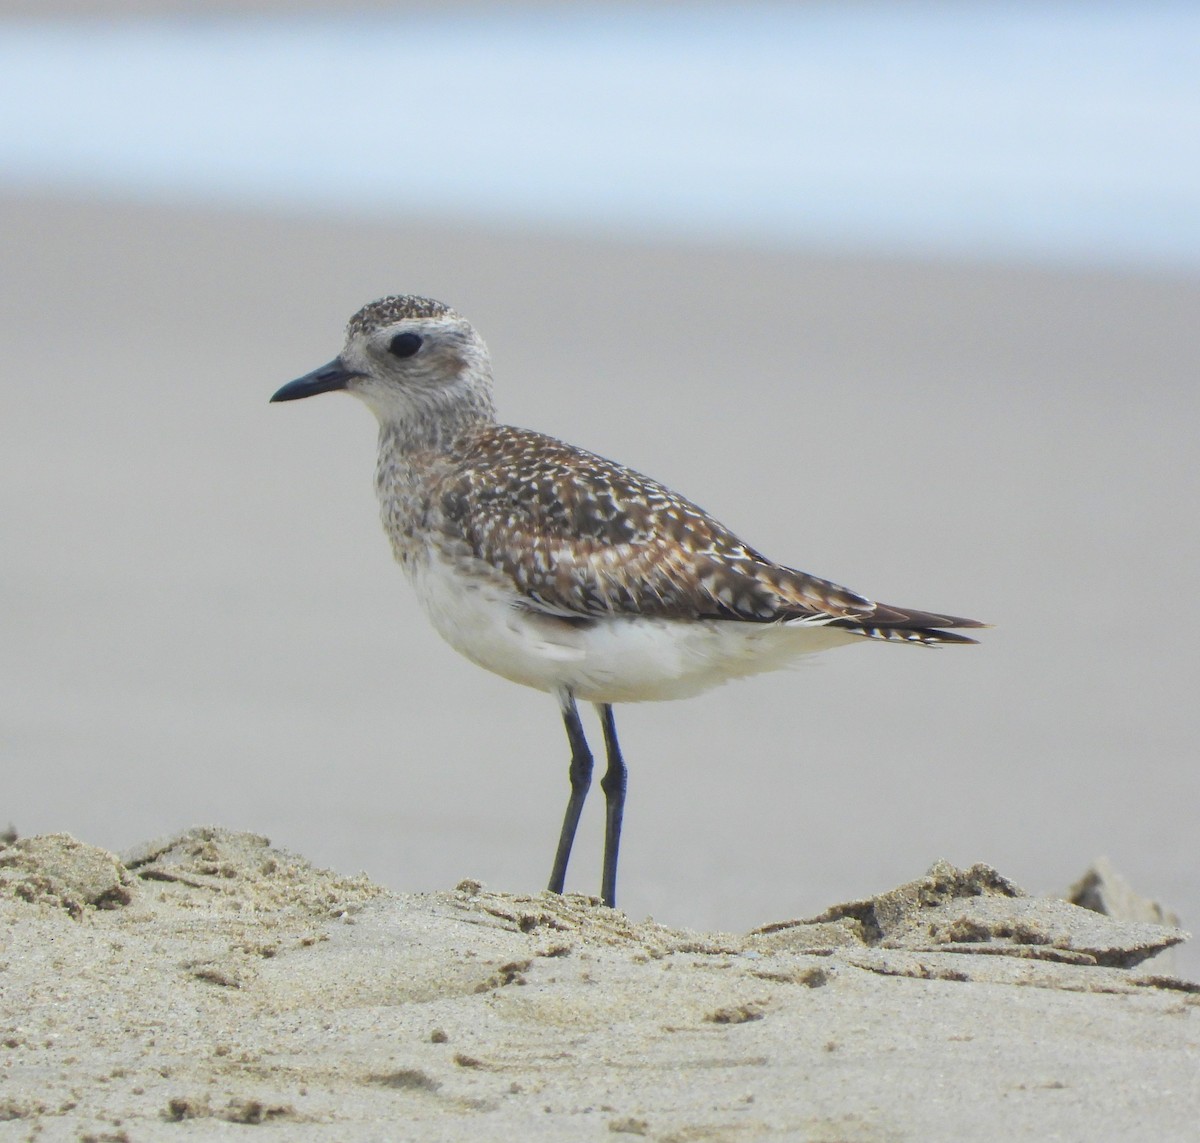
203 621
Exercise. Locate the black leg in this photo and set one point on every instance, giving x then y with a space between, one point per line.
581 779
613 784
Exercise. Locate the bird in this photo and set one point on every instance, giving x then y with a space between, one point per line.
566 572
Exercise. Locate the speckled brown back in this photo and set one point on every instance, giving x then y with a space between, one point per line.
581 535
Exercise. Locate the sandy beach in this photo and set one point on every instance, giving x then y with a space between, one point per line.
203 624
203 621
209 981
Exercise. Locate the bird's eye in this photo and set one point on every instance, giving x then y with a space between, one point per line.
404 344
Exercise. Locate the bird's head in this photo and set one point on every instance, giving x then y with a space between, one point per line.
410 360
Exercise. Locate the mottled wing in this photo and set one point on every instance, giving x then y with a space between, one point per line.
581 536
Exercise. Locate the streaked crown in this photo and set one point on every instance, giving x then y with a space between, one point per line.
398 307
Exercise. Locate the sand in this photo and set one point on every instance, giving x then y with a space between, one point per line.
215 981
201 622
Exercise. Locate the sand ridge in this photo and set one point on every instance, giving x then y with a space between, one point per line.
212 976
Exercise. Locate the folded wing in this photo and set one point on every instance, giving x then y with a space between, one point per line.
581 537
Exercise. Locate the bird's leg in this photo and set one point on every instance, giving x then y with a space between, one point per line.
613 784
581 779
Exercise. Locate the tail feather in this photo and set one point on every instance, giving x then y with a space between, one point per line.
904 625
805 600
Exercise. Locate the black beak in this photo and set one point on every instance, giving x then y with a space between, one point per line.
324 380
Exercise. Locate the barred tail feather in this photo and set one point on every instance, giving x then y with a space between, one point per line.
902 625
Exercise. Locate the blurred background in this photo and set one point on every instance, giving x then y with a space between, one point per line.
907 295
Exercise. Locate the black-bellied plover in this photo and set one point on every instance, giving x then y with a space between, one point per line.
561 570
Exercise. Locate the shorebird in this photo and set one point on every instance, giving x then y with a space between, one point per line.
561 570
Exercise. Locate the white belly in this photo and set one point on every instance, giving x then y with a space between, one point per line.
615 659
